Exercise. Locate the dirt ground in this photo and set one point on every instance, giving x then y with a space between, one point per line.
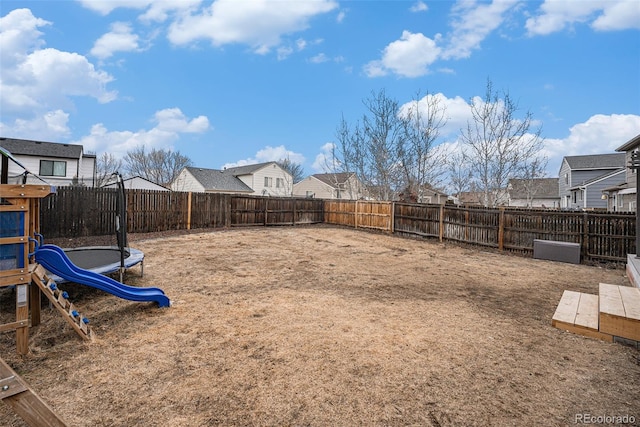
322 326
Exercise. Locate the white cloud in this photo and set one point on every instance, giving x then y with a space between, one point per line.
603 15
36 80
105 7
52 125
319 58
174 120
419 6
472 23
341 16
269 154
119 39
324 161
408 57
599 134
258 23
457 111
170 123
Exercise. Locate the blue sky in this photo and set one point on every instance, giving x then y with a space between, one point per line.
233 82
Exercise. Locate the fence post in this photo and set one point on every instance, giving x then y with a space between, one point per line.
189 211
441 231
266 210
584 245
355 217
501 230
393 217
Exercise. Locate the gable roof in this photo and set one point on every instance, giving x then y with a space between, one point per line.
598 178
545 188
27 147
631 144
216 179
247 169
596 161
333 179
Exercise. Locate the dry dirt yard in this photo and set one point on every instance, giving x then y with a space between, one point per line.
327 326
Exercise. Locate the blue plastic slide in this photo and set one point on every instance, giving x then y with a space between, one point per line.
56 261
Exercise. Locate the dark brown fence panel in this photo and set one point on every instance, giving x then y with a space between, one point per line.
340 212
248 210
419 220
150 211
472 225
610 236
210 210
309 211
522 227
78 211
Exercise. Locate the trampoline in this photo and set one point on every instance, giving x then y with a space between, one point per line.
105 259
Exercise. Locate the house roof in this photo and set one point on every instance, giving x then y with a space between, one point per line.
27 147
220 180
596 161
631 144
598 178
247 169
112 183
333 179
545 188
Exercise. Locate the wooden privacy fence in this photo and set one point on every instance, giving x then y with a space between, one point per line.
603 236
80 211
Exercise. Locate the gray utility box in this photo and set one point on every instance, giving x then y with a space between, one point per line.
556 251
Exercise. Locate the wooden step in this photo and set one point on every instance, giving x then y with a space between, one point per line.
578 313
620 311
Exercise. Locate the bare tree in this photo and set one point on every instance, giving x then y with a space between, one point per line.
498 143
460 173
106 165
295 169
423 162
530 174
370 147
159 166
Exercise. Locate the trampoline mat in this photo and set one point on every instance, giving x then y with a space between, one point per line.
98 258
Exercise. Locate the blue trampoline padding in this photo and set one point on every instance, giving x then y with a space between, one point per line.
55 260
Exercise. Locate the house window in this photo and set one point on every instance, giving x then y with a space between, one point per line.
268 181
566 178
53 168
279 182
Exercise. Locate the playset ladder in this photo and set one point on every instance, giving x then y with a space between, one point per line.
59 299
15 392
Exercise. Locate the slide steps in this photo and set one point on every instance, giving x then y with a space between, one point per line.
60 301
612 315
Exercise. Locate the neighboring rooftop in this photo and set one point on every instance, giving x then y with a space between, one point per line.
216 179
596 161
333 179
27 147
544 188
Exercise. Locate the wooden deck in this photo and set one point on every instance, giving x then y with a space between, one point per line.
614 312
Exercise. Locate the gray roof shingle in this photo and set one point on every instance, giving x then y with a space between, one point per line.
219 180
333 179
597 161
27 147
545 188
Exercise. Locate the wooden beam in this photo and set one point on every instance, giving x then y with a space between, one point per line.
16 393
25 191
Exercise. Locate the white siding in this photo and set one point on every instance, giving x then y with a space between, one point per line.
272 171
186 182
87 171
313 187
33 165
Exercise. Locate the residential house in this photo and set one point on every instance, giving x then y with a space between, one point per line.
58 164
622 197
343 185
534 193
137 183
582 179
262 179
